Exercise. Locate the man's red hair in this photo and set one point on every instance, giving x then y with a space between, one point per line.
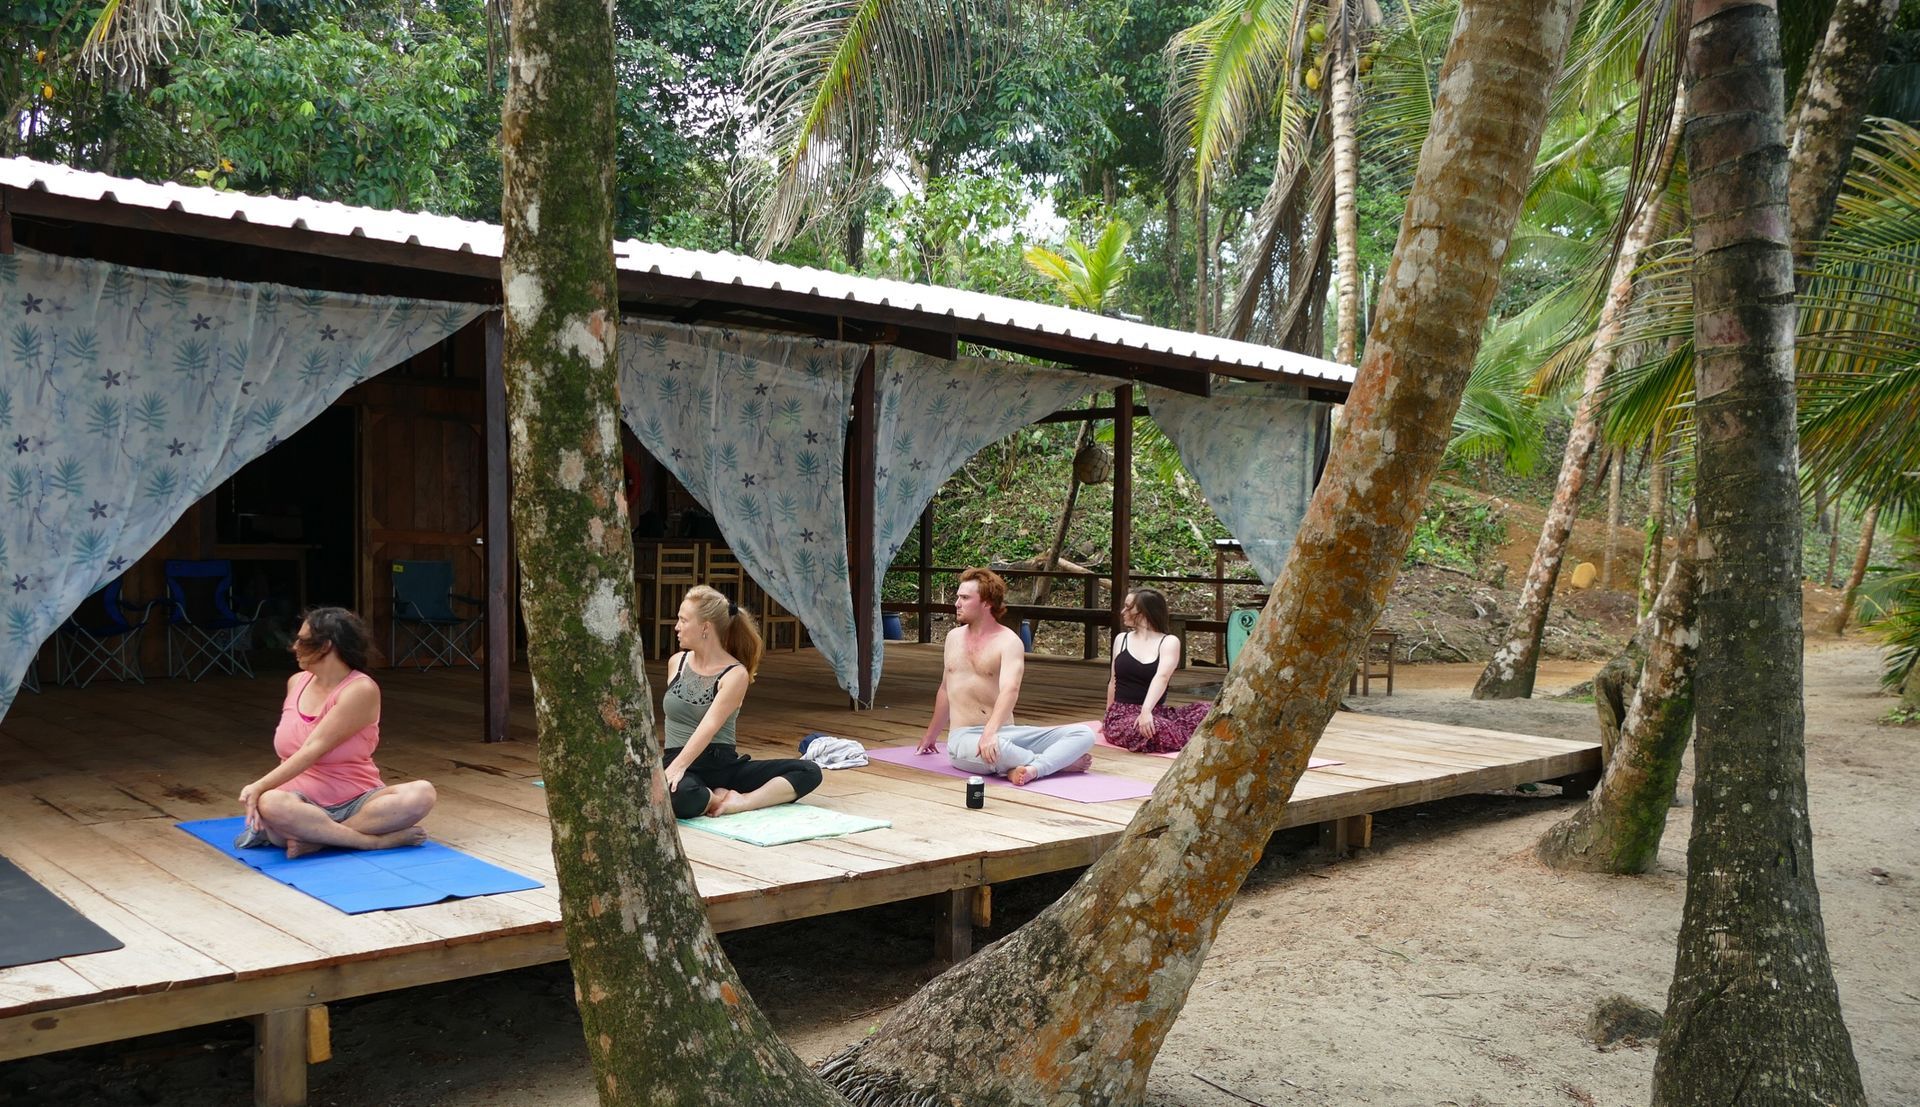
993 589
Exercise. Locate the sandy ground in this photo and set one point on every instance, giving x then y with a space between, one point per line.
1442 967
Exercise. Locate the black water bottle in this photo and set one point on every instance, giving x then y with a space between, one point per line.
976 792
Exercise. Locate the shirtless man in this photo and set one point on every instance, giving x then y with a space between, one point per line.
984 664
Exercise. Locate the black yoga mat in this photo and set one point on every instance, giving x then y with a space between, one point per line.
36 925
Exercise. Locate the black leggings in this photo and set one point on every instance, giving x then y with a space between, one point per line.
723 766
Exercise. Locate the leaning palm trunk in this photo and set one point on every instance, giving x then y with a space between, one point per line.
1074 1006
665 1017
1615 468
1753 1015
1652 556
1341 61
1509 673
1851 594
1618 829
1827 113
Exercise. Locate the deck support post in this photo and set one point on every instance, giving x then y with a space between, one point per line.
280 1058
861 516
1122 500
1340 837
953 926
926 574
499 540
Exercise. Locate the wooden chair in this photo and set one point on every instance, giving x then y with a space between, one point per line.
775 620
723 573
672 569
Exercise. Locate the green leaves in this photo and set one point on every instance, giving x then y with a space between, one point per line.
1088 278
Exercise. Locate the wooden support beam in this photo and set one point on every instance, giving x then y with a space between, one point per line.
1082 414
1340 837
280 1058
861 521
953 926
1323 446
1122 498
6 224
983 906
499 540
319 1034
926 573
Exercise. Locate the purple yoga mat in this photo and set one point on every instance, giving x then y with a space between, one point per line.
1081 787
1312 762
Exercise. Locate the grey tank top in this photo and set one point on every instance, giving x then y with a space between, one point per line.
685 703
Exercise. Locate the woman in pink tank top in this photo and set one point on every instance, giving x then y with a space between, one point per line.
326 790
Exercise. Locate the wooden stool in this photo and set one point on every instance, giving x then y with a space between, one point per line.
1376 661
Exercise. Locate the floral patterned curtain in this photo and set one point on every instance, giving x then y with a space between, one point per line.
936 413
1252 448
128 394
755 426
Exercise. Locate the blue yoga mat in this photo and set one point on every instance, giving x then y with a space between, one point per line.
357 881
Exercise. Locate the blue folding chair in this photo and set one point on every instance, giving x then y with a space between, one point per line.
205 630
99 639
423 599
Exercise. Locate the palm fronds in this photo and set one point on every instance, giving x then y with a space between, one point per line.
1089 278
843 85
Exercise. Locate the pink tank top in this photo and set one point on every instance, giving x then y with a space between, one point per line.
344 771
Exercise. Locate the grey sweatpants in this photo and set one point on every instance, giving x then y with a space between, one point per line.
1047 748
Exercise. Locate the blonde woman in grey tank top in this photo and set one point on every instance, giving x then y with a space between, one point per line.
707 682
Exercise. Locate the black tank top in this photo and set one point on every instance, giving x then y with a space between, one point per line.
1131 676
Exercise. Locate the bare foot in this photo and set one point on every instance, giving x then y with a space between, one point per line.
297 848
1082 765
1023 776
717 802
410 836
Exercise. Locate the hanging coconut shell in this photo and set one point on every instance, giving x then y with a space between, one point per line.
1093 464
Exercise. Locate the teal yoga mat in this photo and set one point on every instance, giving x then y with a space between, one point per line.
790 822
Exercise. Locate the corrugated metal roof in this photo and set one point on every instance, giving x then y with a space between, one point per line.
462 236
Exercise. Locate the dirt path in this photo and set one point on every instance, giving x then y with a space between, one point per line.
1442 967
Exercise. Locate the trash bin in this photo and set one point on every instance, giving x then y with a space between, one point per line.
890 628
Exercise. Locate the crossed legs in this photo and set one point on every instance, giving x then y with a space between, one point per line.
389 818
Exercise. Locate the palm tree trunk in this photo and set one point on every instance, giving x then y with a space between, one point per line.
1509 673
1618 829
1173 252
1826 118
657 998
1341 62
1074 1006
1202 293
1851 594
1614 468
1655 552
1753 1015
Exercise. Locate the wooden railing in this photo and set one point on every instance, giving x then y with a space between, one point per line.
1090 614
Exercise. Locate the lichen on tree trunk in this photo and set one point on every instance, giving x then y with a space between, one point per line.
666 1020
1073 1007
1753 1015
1618 829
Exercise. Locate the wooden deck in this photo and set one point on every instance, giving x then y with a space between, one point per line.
92 781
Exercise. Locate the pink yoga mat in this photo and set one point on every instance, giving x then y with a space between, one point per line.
1081 787
1312 762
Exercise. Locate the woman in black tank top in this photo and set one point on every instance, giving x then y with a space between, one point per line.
1144 658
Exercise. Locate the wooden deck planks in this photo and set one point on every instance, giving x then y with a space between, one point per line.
96 778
